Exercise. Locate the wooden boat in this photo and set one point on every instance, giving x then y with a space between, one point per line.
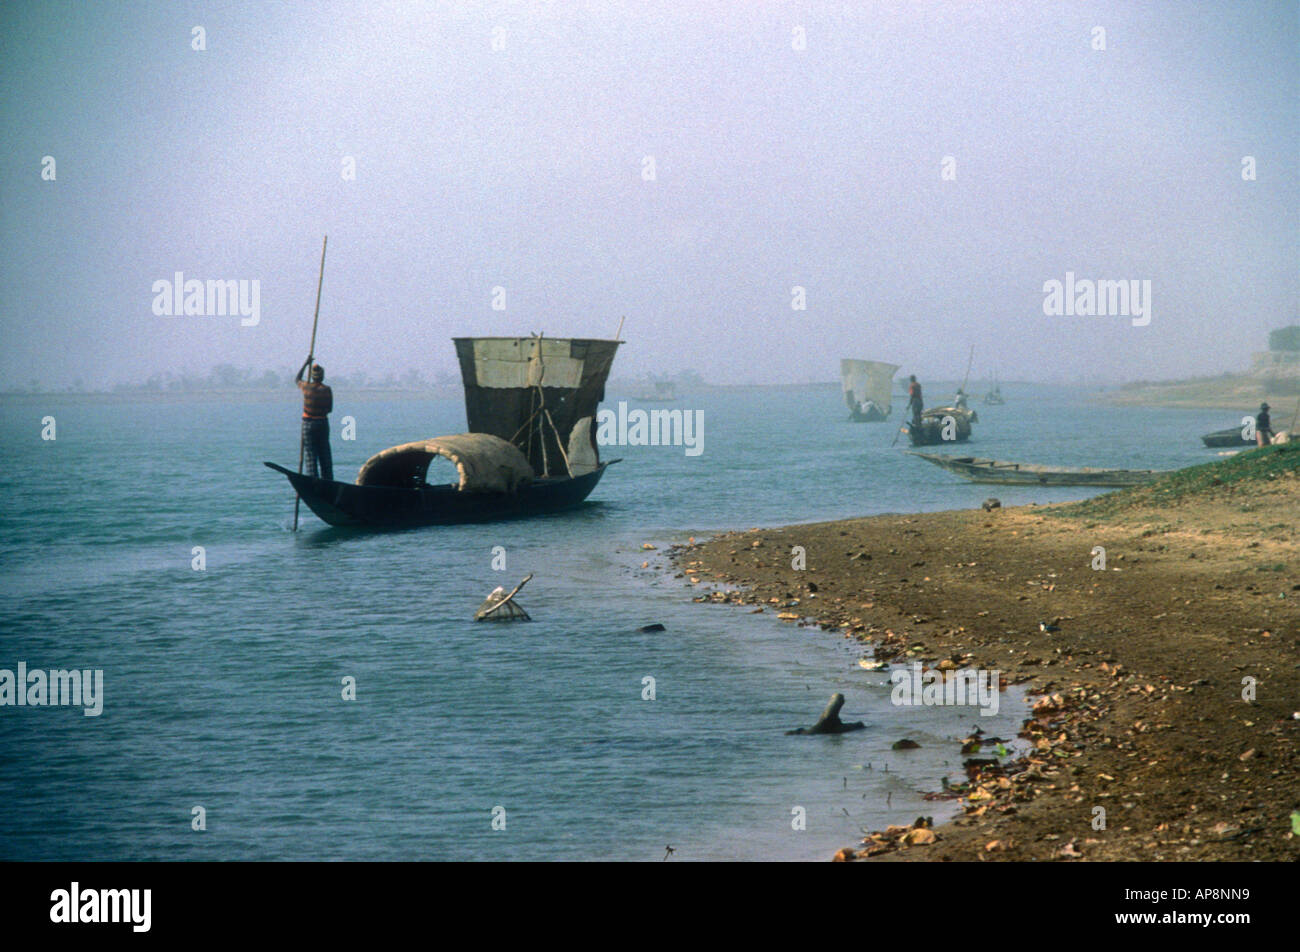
941 425
1032 474
531 406
1229 437
868 389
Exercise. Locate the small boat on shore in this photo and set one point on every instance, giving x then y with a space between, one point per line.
1233 436
868 389
531 406
979 470
941 425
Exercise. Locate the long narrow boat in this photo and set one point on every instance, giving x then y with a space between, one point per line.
397 507
531 404
980 470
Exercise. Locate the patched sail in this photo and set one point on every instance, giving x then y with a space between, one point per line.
539 393
868 381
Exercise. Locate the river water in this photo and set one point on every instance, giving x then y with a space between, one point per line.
223 687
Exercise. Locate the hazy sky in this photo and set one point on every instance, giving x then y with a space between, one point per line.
774 167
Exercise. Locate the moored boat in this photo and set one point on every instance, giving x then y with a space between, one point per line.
1233 436
980 470
531 406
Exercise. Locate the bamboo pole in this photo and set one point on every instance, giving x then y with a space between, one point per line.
970 361
311 356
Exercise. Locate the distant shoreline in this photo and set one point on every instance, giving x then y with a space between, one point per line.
1229 391
1237 393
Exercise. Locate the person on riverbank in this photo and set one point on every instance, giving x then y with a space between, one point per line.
915 402
1263 426
317 404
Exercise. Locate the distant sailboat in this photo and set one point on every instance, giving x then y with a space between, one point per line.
994 396
868 389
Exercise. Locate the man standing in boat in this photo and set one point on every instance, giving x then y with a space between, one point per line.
317 403
914 400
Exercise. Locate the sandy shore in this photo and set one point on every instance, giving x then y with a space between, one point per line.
1142 711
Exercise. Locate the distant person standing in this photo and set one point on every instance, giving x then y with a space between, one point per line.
915 402
1263 426
317 403
961 399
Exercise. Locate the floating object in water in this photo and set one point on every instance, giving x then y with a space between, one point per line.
646 629
829 722
904 744
501 606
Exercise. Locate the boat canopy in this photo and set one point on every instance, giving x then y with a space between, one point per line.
486 463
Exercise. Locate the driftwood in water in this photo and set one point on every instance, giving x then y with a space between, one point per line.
829 722
501 607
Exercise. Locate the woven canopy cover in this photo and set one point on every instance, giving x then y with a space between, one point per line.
486 463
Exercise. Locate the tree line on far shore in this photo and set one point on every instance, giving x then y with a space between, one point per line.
229 377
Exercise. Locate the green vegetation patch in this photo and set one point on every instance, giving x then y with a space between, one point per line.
1263 463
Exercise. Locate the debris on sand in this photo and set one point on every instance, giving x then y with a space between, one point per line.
892 838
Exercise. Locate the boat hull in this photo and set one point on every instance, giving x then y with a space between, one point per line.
1003 473
386 507
931 432
1229 437
873 414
